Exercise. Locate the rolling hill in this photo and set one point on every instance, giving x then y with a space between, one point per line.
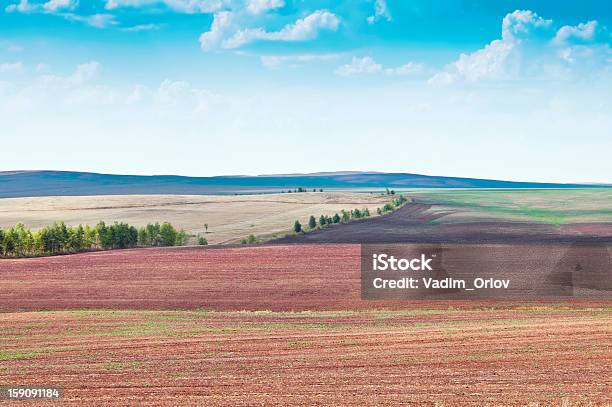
52 183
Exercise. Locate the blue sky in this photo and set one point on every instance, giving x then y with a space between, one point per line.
492 89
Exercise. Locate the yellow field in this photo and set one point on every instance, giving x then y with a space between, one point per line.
229 218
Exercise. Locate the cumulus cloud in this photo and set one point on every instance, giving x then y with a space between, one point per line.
262 6
581 33
529 47
368 66
381 11
219 28
223 32
522 24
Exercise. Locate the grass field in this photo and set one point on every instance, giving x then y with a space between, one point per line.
551 355
553 206
229 218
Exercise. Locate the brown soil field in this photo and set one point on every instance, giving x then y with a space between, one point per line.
416 222
229 218
526 356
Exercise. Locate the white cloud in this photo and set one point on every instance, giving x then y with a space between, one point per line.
276 61
489 62
95 20
407 69
56 5
51 6
262 6
522 24
23 6
220 26
303 29
582 32
360 66
381 11
368 66
11 67
183 6
62 8
528 48
141 27
223 33
83 74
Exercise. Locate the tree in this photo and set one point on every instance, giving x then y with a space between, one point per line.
387 191
356 214
346 216
297 226
322 220
366 212
320 189
251 239
202 241
312 222
167 234
336 218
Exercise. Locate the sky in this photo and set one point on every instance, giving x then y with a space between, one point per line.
516 90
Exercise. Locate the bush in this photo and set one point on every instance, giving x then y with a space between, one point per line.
202 241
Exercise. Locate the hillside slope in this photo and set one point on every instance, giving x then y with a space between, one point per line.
52 183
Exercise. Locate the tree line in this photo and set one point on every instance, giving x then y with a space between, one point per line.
346 216
60 238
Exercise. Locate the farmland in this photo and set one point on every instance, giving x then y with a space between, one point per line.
548 206
229 218
491 216
496 356
284 323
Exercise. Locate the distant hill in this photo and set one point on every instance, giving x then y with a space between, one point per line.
50 183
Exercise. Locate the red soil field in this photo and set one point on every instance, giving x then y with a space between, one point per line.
336 350
280 278
540 356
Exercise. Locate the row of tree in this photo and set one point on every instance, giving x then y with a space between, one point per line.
325 220
348 215
300 189
59 238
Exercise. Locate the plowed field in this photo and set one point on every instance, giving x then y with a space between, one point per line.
497 357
